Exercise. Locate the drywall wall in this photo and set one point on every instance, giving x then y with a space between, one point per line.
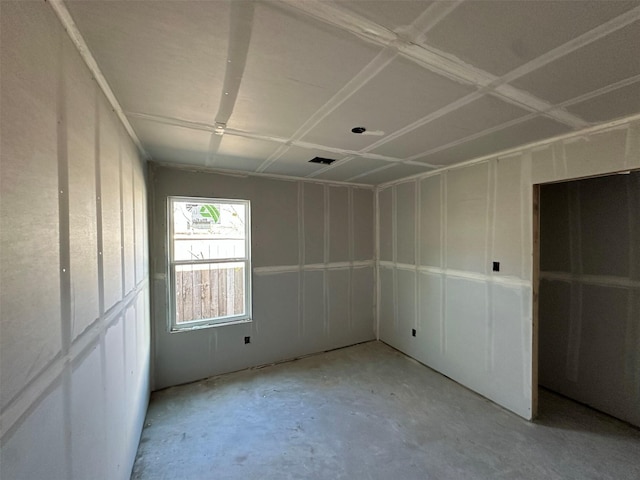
312 259
438 236
74 328
589 317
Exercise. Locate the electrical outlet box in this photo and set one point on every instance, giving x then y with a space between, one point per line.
247 340
413 332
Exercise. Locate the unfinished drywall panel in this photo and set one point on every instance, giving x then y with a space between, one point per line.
338 299
465 330
511 230
338 224
362 213
60 366
387 306
606 221
110 206
406 300
430 319
315 325
406 222
276 319
607 378
128 242
583 156
314 224
301 299
431 204
385 215
276 205
555 306
80 109
473 215
116 401
29 456
30 328
88 439
140 228
509 349
362 303
467 212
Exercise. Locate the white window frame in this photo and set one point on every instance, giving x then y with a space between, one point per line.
173 326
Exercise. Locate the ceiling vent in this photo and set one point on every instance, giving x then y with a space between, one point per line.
323 161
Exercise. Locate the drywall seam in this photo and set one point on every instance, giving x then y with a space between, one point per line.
351 246
272 270
600 91
416 253
528 342
19 407
123 274
370 172
443 261
491 207
441 112
526 208
580 41
64 248
327 245
619 124
394 250
506 281
301 259
482 133
433 14
377 292
595 280
380 61
78 41
244 174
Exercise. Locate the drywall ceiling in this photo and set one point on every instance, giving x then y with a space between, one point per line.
434 83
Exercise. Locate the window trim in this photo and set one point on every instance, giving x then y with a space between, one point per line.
171 264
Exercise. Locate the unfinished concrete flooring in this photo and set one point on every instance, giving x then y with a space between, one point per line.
369 412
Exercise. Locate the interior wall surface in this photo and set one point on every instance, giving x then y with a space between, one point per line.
438 237
74 314
589 317
313 274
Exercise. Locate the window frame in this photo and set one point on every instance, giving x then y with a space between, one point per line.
172 325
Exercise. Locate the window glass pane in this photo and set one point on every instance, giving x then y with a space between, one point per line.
208 231
209 290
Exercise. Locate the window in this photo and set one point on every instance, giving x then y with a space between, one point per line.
209 262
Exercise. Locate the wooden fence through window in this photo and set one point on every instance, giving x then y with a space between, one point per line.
209 293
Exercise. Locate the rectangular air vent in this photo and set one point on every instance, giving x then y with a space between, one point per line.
323 161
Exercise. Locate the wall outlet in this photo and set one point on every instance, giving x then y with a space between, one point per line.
496 266
247 340
413 332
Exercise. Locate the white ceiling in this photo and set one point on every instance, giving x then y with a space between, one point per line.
438 82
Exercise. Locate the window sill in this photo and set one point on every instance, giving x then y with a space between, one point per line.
201 326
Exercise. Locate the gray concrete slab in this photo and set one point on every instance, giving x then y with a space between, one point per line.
369 412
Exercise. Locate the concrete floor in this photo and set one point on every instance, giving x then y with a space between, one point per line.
369 412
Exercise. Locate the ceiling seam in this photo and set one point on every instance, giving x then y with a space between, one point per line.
81 46
450 66
240 29
429 18
601 91
580 41
380 61
581 98
625 122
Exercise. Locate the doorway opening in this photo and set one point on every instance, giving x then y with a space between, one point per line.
586 305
